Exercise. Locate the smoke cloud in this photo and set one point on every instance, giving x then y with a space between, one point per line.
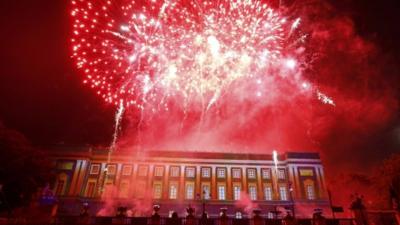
245 203
343 65
135 206
352 70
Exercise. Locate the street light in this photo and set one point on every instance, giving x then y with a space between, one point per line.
203 198
103 182
291 198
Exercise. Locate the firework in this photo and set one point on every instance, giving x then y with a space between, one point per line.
149 54
325 99
117 122
275 159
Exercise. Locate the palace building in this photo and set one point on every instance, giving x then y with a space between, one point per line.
235 181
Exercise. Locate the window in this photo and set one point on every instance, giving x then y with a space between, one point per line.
253 192
94 169
108 184
173 191
190 172
109 181
283 193
189 191
60 187
281 174
236 173
158 171
126 170
61 183
205 172
90 189
221 192
111 169
251 173
65 165
157 190
306 172
238 215
310 192
140 189
174 171
142 171
268 193
206 191
124 189
221 172
266 174
236 192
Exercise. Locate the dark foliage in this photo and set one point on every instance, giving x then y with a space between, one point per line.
23 169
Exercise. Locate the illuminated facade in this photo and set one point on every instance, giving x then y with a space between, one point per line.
176 179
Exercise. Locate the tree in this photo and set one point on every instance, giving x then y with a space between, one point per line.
387 180
23 169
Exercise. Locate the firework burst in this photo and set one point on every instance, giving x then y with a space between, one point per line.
149 54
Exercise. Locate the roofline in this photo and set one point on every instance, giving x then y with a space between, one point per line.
88 152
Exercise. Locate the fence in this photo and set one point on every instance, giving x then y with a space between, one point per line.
77 220
70 220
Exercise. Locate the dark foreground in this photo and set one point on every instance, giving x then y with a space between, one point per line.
71 220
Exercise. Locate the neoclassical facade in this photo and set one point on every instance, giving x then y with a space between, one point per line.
175 179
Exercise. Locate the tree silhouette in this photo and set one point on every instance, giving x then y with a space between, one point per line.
23 169
388 180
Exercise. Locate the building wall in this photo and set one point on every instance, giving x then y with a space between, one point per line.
183 177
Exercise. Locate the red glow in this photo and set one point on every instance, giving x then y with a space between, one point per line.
319 86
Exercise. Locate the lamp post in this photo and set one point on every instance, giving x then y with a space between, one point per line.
103 182
203 199
330 204
204 202
291 198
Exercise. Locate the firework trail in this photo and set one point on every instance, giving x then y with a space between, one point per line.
325 99
117 127
275 159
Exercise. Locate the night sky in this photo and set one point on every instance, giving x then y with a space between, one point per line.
42 95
